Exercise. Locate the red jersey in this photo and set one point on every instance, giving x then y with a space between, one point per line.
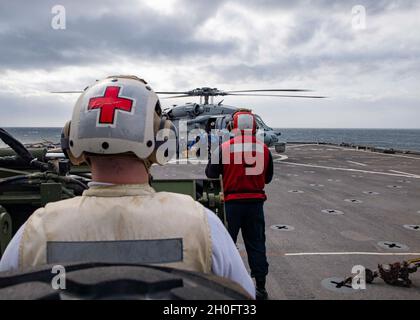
245 161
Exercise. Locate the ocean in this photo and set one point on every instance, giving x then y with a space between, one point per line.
402 139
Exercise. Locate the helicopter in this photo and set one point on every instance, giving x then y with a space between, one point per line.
207 115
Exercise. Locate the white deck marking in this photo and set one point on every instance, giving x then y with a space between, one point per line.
300 145
370 152
353 253
276 158
187 161
406 173
397 155
280 158
378 153
351 170
357 163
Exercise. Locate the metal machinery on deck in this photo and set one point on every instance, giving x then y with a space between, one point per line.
31 178
24 188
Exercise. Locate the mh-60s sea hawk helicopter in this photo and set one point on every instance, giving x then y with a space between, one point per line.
208 115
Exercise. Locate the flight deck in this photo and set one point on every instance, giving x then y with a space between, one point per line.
331 208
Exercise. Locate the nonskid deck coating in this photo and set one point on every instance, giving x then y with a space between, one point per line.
377 197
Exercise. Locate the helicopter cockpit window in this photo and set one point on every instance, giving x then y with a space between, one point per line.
261 124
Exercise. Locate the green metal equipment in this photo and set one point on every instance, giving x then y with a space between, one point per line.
30 179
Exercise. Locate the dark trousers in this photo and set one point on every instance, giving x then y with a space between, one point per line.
249 217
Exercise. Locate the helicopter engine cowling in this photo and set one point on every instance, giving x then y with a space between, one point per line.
189 110
197 109
177 112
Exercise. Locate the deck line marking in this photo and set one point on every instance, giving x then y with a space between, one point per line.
353 253
351 170
397 155
357 163
371 152
187 161
276 158
300 145
408 174
280 158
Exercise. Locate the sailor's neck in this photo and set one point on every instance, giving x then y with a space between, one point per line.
119 170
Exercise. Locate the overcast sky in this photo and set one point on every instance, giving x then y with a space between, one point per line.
371 74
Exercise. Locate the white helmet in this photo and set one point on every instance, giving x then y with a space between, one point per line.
120 114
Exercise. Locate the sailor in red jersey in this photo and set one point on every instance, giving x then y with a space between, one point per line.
246 166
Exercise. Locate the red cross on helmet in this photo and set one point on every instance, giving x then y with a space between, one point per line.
117 115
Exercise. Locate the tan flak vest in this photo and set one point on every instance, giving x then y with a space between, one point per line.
120 223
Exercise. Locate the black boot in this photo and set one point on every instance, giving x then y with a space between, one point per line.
260 292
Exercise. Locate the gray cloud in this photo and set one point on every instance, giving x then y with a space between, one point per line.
96 35
30 42
231 42
311 66
372 6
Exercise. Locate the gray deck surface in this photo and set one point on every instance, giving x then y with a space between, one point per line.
328 176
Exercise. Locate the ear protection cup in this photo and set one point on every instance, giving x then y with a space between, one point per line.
165 127
64 139
65 146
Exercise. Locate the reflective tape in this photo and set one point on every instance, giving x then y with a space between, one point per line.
126 251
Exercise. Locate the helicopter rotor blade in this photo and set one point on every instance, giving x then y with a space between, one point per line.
171 92
274 95
180 96
67 91
269 90
215 92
